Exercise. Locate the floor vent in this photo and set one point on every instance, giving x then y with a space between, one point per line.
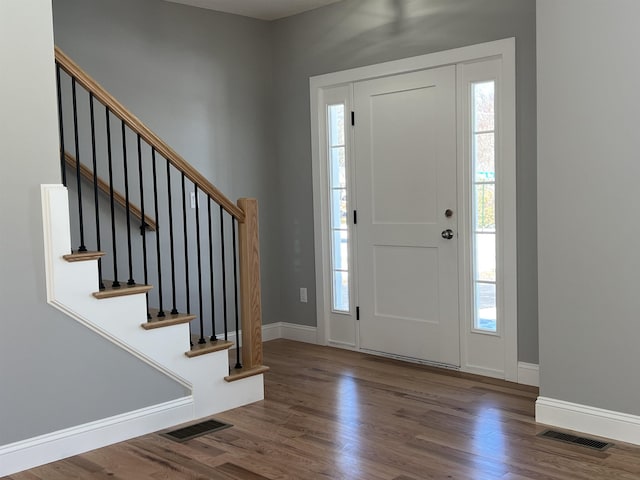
567 438
196 430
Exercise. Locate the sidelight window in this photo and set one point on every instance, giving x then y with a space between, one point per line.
338 208
483 153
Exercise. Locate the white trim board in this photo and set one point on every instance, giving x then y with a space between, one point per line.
289 331
271 331
529 374
591 420
299 333
420 62
50 447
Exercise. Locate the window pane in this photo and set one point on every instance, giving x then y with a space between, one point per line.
485 307
336 125
484 205
338 170
341 291
485 256
483 106
338 205
484 157
339 208
340 250
485 208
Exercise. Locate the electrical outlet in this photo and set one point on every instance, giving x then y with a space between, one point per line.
303 295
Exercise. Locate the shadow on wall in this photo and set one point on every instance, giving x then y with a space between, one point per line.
397 25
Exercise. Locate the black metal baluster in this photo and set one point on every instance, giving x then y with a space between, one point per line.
200 316
143 225
224 276
235 292
155 204
174 310
82 247
63 163
115 283
95 187
186 251
131 281
213 337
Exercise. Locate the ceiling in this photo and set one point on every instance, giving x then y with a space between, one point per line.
262 9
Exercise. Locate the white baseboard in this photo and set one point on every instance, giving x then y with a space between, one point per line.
529 374
272 331
299 333
482 371
591 420
50 447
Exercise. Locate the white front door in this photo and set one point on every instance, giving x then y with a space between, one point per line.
405 182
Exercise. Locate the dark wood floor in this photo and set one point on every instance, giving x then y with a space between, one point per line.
335 414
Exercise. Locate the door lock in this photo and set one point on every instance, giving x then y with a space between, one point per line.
447 234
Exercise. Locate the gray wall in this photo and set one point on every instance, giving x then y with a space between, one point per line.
54 372
588 222
354 33
202 81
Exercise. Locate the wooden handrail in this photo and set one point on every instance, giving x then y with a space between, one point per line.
145 133
87 173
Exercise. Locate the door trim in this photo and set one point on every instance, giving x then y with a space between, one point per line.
505 49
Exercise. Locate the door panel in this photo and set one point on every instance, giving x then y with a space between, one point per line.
405 162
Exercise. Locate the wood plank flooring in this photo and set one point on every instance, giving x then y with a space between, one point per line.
335 414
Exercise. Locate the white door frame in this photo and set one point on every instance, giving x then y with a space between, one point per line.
503 49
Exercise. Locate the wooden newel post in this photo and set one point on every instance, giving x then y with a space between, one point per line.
250 284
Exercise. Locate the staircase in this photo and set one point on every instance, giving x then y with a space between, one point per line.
182 260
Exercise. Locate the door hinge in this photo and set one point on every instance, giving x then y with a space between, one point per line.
355 217
353 118
357 313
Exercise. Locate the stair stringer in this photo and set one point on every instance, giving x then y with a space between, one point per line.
69 288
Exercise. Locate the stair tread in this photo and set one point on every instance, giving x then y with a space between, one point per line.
83 256
240 373
166 321
123 289
209 347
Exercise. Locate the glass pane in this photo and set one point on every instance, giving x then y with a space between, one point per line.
341 291
485 307
338 170
336 125
338 199
484 157
483 106
484 205
485 256
339 208
340 250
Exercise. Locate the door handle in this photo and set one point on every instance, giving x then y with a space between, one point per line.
447 234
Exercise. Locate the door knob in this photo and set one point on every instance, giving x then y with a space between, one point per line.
447 234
